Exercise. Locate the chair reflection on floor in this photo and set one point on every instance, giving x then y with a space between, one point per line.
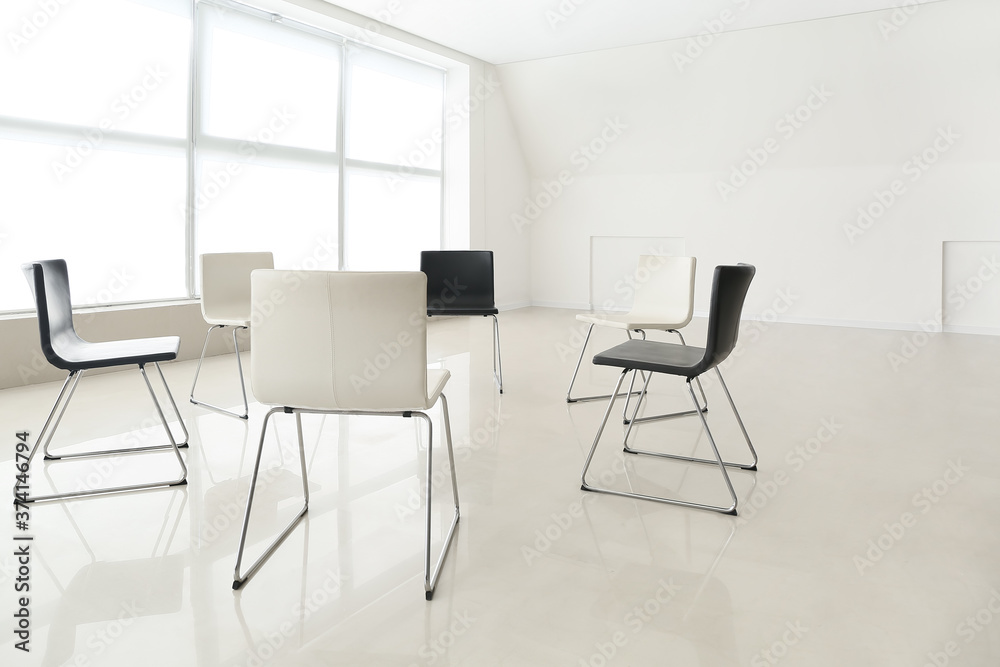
116 591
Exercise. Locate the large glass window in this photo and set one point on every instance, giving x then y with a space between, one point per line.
325 152
267 167
93 147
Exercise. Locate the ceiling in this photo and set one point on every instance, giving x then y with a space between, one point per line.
505 31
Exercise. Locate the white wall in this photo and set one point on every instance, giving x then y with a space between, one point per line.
506 184
674 130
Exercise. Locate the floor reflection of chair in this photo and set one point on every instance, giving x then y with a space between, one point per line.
698 596
110 591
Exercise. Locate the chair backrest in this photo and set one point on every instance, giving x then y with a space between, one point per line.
729 291
664 288
225 282
49 282
458 279
339 340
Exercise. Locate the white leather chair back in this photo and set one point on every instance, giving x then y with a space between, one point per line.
339 340
664 289
225 284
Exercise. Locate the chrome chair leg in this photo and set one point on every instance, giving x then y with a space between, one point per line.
240 579
430 578
59 409
730 510
239 366
583 350
743 466
497 361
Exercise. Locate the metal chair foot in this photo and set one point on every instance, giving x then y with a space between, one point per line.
428 595
236 585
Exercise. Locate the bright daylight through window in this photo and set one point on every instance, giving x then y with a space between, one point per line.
292 140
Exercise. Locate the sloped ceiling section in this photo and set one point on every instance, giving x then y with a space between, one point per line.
507 31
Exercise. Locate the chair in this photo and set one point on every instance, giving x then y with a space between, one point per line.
729 289
460 282
225 302
348 343
64 349
663 301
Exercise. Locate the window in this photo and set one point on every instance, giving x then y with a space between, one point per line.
93 147
267 165
289 139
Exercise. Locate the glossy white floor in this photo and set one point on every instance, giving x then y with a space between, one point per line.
869 536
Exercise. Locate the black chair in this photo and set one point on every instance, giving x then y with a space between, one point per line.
729 289
460 282
63 348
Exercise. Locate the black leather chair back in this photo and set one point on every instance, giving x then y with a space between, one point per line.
729 291
459 282
49 282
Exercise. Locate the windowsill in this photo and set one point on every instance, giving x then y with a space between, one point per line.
79 310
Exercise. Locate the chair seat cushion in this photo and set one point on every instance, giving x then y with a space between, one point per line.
81 355
654 356
461 312
633 321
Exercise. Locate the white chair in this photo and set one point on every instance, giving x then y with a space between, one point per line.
663 301
348 343
225 302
